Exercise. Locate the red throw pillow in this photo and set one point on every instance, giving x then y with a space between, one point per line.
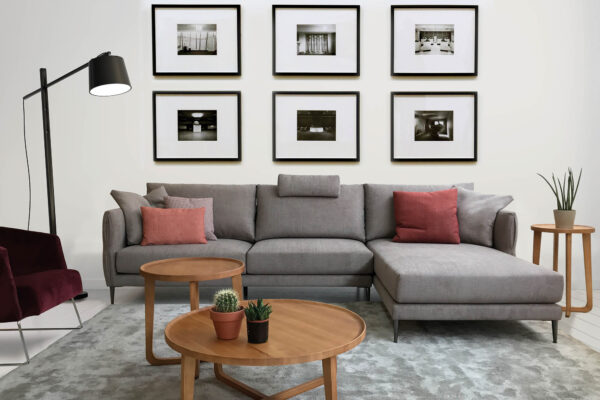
426 217
173 225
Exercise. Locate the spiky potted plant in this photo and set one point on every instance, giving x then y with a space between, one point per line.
257 321
565 192
227 314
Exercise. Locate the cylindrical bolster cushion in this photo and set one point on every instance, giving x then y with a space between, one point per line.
173 226
308 185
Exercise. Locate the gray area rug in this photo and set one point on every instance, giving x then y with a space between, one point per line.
433 360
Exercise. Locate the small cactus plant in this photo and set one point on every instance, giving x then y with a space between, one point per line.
226 301
258 311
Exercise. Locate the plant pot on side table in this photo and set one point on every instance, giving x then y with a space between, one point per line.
257 321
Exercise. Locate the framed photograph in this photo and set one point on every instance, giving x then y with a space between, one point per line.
434 126
316 40
316 126
196 39
434 40
197 126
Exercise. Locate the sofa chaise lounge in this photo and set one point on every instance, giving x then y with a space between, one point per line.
310 240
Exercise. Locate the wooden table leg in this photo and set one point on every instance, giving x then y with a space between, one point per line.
587 260
236 282
194 305
187 377
555 253
568 245
330 377
152 359
537 245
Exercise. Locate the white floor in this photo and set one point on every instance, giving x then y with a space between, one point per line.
583 327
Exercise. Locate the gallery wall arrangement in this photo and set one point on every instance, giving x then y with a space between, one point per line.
311 40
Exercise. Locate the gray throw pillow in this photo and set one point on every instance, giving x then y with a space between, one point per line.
477 214
131 203
206 203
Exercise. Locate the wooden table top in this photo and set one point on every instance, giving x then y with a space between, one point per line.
299 331
192 269
553 229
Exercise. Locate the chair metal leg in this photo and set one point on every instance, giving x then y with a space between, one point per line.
24 348
77 313
112 295
396 322
554 331
245 292
51 329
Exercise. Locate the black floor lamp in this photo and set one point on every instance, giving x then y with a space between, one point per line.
108 77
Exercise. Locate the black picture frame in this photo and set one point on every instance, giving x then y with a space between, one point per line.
216 73
316 6
403 159
316 93
460 6
238 94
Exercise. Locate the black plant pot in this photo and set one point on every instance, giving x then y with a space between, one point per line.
258 331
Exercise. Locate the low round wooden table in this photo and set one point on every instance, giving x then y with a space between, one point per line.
586 233
192 270
299 331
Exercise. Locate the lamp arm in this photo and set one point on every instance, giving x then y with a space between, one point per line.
65 76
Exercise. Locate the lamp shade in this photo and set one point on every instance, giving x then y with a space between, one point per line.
108 76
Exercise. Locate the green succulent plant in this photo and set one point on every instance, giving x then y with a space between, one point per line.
258 311
226 300
565 191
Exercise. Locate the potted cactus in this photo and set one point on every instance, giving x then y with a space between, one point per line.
565 193
257 321
227 314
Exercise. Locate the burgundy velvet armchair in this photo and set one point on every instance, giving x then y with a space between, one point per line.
33 278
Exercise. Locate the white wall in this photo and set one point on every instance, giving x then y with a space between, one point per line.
538 111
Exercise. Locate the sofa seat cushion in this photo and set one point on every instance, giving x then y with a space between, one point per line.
307 256
422 273
44 290
130 259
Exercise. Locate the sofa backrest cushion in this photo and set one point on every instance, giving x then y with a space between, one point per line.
310 217
379 206
234 206
308 185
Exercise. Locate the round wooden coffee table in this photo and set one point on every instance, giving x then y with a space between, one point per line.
192 270
299 331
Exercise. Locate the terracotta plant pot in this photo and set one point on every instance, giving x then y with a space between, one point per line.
227 324
564 219
258 331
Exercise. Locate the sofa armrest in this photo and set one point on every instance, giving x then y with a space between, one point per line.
505 232
114 238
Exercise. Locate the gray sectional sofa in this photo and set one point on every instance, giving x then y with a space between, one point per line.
346 241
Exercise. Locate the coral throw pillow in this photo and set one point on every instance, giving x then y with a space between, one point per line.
173 226
426 217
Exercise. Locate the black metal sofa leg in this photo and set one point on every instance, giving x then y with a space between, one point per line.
112 295
396 322
246 292
554 331
368 293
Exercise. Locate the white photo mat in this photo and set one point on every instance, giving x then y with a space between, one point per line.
462 147
286 59
169 147
344 147
166 59
463 60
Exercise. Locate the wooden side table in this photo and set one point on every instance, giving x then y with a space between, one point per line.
300 331
192 270
586 233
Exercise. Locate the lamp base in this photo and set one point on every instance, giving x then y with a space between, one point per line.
81 295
